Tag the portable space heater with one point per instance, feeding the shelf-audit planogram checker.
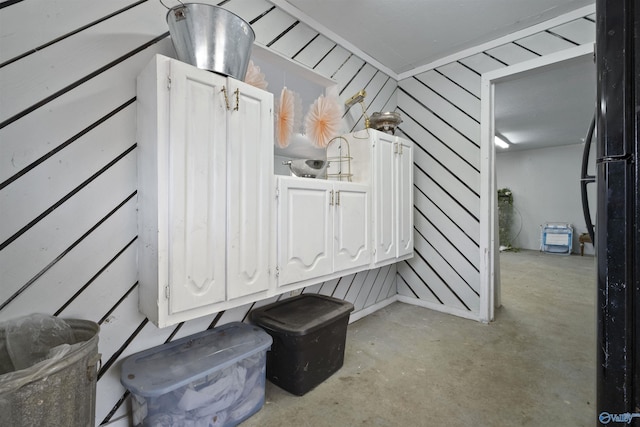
(557, 238)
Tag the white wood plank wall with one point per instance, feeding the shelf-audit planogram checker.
(68, 164)
(441, 112)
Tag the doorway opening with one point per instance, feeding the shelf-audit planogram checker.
(493, 84)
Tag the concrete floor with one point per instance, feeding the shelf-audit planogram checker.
(409, 366)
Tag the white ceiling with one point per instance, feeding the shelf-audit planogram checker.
(548, 106)
(404, 35)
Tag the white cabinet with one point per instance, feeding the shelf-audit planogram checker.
(205, 193)
(323, 228)
(387, 162)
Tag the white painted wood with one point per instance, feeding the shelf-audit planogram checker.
(386, 162)
(448, 181)
(46, 240)
(74, 270)
(453, 93)
(343, 286)
(488, 206)
(545, 43)
(351, 227)
(444, 110)
(389, 288)
(347, 71)
(149, 336)
(374, 292)
(447, 237)
(441, 130)
(24, 200)
(465, 53)
(25, 26)
(439, 307)
(315, 51)
(247, 9)
(363, 293)
(443, 267)
(332, 61)
(294, 11)
(33, 136)
(404, 198)
(64, 63)
(481, 63)
(356, 286)
(360, 81)
(305, 229)
(205, 191)
(294, 40)
(429, 146)
(448, 205)
(463, 76)
(250, 199)
(384, 189)
(371, 309)
(196, 183)
(511, 53)
(271, 25)
(580, 31)
(408, 275)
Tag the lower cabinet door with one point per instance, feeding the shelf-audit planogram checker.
(305, 248)
(351, 226)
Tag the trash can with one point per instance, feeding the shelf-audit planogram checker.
(48, 371)
(309, 334)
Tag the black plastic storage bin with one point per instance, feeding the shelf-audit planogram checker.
(309, 333)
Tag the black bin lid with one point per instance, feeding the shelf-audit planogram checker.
(300, 315)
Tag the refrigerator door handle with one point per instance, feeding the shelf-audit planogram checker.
(610, 159)
(587, 179)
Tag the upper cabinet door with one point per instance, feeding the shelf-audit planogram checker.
(195, 181)
(404, 193)
(251, 192)
(384, 211)
(305, 229)
(352, 247)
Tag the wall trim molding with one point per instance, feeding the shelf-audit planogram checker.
(441, 308)
(553, 22)
(306, 19)
(489, 269)
(372, 308)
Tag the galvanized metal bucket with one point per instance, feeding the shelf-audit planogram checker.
(61, 394)
(211, 38)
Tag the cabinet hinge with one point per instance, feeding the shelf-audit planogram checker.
(168, 82)
(277, 191)
(277, 271)
(167, 292)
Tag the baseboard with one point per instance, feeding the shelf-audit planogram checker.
(441, 308)
(372, 309)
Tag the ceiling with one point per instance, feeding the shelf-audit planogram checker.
(547, 106)
(404, 35)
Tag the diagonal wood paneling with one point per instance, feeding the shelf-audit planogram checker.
(68, 165)
(441, 109)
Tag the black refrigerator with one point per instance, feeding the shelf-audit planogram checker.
(617, 230)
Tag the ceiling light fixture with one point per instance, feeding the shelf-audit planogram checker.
(500, 142)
